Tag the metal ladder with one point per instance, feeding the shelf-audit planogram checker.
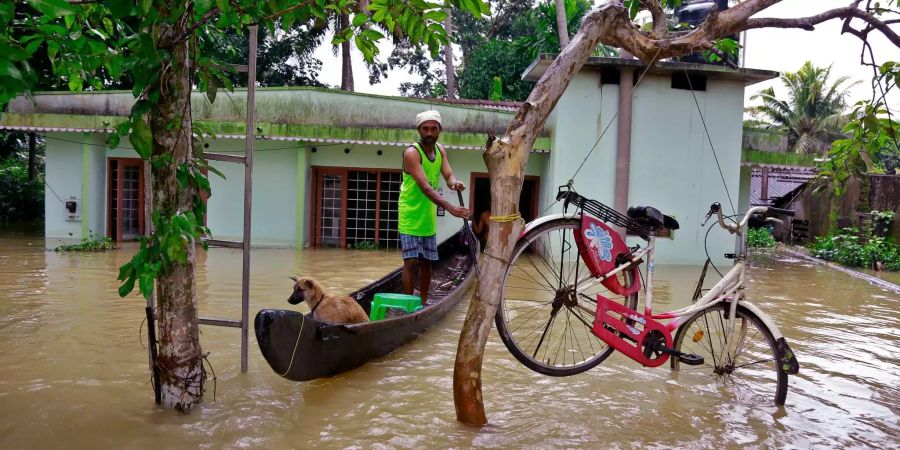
(244, 244)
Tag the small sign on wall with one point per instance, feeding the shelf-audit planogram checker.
(72, 210)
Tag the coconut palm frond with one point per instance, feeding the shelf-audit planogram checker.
(812, 112)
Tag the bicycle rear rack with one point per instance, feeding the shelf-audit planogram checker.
(604, 213)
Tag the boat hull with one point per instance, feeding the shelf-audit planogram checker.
(299, 348)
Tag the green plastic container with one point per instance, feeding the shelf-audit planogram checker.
(385, 300)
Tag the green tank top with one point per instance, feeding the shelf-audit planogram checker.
(417, 214)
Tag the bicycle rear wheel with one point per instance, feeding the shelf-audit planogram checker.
(545, 317)
(744, 361)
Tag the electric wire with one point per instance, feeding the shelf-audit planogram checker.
(709, 138)
(606, 128)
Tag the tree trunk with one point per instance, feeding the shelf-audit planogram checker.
(180, 359)
(562, 25)
(346, 60)
(32, 158)
(449, 66)
(506, 159)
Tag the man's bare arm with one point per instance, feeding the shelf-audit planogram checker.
(447, 172)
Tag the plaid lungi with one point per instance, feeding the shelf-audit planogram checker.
(414, 246)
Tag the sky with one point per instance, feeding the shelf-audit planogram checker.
(770, 49)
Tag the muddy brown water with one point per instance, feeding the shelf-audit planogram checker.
(73, 372)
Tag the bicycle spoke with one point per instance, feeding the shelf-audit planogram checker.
(547, 274)
(743, 360)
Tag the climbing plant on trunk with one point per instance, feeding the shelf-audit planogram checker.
(156, 43)
(610, 24)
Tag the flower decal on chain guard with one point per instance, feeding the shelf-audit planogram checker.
(600, 241)
(600, 246)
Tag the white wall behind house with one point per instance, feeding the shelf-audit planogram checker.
(274, 209)
(672, 166)
(63, 176)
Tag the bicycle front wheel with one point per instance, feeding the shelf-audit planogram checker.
(548, 301)
(744, 360)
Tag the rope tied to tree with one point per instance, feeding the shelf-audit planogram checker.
(504, 261)
(506, 218)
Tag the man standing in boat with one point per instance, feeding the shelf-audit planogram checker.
(423, 163)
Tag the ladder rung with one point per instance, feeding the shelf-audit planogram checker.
(220, 322)
(221, 243)
(241, 67)
(225, 157)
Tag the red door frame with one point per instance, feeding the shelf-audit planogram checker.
(122, 162)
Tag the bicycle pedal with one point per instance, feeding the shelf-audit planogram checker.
(689, 359)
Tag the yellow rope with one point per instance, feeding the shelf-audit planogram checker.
(296, 344)
(323, 383)
(507, 218)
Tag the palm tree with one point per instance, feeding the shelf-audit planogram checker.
(814, 112)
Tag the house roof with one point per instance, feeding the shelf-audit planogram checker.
(296, 114)
(782, 180)
(747, 76)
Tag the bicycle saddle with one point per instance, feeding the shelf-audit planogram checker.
(652, 218)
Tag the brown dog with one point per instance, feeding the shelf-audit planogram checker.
(326, 307)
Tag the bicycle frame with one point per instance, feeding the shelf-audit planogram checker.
(730, 287)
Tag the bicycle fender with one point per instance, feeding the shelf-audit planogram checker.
(776, 333)
(786, 358)
(544, 219)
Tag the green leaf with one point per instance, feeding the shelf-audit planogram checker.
(120, 8)
(75, 82)
(52, 8)
(125, 271)
(211, 89)
(113, 140)
(146, 284)
(140, 138)
(215, 171)
(126, 287)
(7, 11)
(359, 19)
(372, 35)
(437, 16)
(9, 69)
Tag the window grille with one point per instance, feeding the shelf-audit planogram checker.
(388, 236)
(361, 206)
(330, 228)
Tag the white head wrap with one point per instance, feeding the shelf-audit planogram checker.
(428, 115)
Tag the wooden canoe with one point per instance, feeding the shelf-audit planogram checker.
(299, 348)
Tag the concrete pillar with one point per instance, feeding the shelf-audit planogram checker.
(301, 196)
(623, 143)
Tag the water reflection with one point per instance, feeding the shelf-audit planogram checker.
(73, 371)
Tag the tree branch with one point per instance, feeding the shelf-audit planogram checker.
(284, 11)
(719, 24)
(659, 18)
(808, 23)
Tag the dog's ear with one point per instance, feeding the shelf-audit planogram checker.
(293, 278)
(308, 284)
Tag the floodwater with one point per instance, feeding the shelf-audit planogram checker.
(73, 370)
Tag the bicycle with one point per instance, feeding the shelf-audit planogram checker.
(569, 299)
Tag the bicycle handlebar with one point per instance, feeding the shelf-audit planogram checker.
(715, 208)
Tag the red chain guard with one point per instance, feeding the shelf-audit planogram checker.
(612, 314)
(600, 246)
